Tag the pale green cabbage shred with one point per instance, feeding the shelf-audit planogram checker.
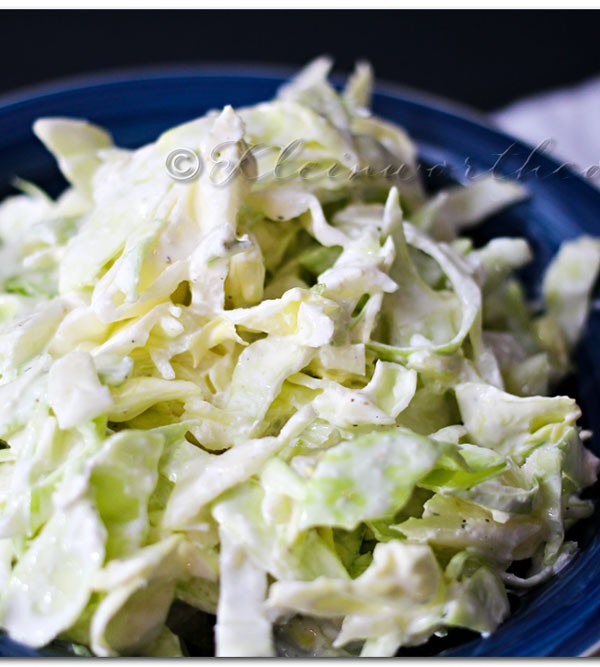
(300, 399)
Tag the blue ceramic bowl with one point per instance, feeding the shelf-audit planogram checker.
(561, 618)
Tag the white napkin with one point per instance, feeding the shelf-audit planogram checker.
(569, 118)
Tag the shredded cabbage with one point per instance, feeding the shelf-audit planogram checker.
(289, 392)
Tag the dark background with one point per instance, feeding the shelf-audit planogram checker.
(481, 58)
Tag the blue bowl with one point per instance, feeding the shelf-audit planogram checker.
(561, 618)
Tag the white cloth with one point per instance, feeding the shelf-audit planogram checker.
(569, 118)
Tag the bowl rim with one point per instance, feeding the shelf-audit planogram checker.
(107, 76)
(81, 82)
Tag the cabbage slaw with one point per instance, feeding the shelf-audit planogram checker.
(306, 404)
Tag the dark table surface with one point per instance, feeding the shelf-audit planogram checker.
(484, 59)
